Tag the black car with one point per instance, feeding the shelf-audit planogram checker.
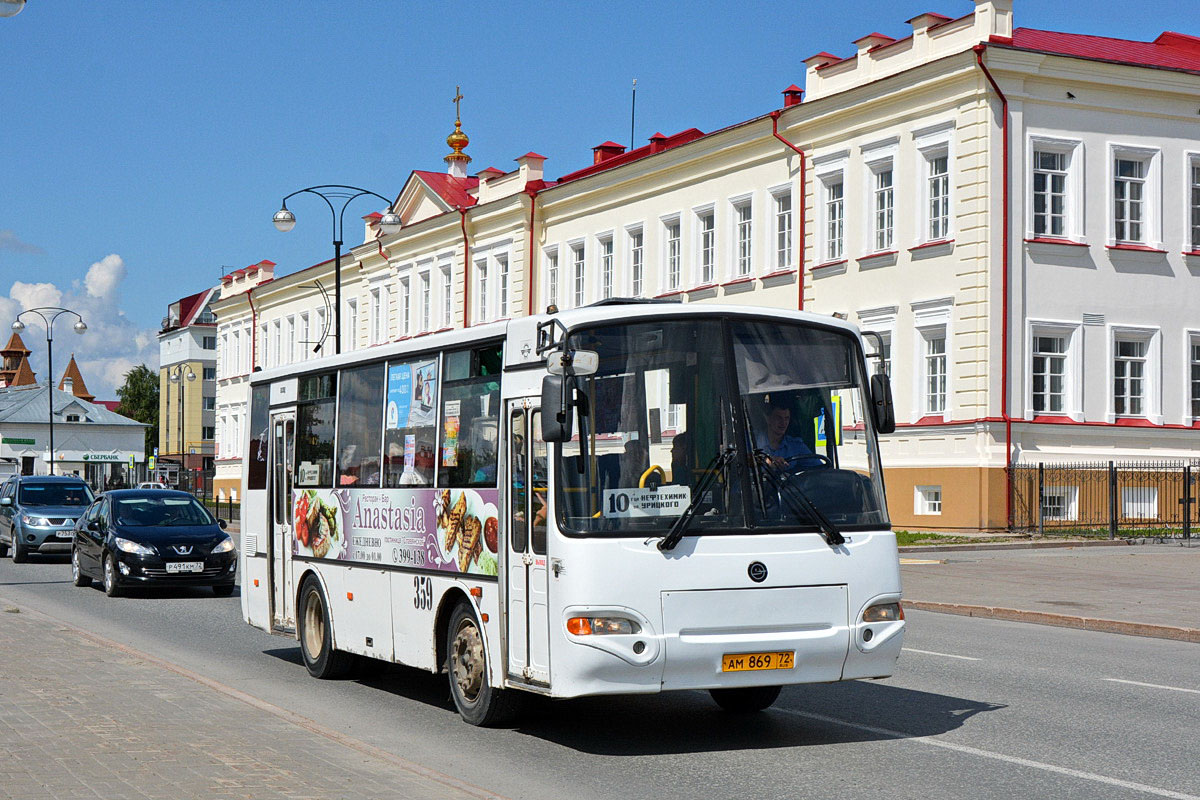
(152, 537)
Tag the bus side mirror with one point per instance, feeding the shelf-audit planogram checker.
(881, 404)
(556, 409)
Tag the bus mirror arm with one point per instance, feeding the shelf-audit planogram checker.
(556, 409)
(881, 403)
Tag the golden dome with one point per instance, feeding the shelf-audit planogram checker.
(458, 142)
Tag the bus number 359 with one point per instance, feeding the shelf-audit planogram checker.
(423, 592)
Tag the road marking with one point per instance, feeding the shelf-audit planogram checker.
(975, 751)
(1153, 685)
(943, 655)
(921, 561)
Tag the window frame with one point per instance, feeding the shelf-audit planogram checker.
(1151, 376)
(1073, 387)
(1191, 376)
(1151, 221)
(704, 246)
(881, 237)
(783, 242)
(923, 505)
(741, 239)
(1074, 201)
(635, 236)
(830, 171)
(606, 256)
(551, 264)
(578, 251)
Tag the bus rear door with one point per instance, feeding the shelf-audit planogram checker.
(283, 442)
(526, 572)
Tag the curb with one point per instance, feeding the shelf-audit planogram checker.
(932, 548)
(1060, 620)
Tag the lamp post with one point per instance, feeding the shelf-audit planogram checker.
(10, 8)
(285, 220)
(177, 375)
(49, 314)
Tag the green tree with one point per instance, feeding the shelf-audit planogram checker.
(139, 400)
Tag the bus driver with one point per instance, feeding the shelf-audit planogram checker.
(781, 448)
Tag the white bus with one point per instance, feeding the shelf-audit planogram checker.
(625, 498)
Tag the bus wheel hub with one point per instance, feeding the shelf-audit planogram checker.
(468, 661)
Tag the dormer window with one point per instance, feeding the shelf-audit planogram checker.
(74, 418)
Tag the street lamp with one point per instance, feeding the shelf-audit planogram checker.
(49, 314)
(177, 375)
(285, 220)
(10, 8)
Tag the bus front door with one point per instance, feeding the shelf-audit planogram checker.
(527, 574)
(283, 442)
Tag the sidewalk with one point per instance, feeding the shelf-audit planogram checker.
(1137, 589)
(83, 717)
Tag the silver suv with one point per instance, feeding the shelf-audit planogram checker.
(38, 514)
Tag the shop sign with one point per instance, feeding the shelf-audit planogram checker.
(110, 457)
(16, 440)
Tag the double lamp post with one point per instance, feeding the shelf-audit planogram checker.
(49, 314)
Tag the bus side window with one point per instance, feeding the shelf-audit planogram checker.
(538, 484)
(519, 476)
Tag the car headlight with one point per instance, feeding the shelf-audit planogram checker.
(886, 612)
(35, 522)
(602, 626)
(225, 546)
(127, 546)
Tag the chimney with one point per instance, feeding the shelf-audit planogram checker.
(68, 385)
(531, 167)
(792, 96)
(603, 152)
(993, 18)
(489, 173)
(658, 143)
(871, 41)
(820, 60)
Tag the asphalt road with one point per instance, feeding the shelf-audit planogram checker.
(978, 708)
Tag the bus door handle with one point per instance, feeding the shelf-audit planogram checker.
(527, 559)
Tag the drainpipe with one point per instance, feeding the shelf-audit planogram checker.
(803, 193)
(466, 268)
(1004, 270)
(529, 253)
(253, 330)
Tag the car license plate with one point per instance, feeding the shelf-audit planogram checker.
(64, 534)
(185, 566)
(746, 662)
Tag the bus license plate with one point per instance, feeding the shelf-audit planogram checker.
(746, 662)
(185, 566)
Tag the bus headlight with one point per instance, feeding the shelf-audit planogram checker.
(885, 612)
(602, 626)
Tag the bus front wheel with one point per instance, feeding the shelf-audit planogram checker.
(746, 699)
(316, 634)
(477, 701)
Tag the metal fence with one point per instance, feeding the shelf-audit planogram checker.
(1112, 499)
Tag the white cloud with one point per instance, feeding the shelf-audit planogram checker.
(112, 345)
(104, 276)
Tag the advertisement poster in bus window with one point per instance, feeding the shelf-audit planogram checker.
(411, 395)
(450, 425)
(450, 530)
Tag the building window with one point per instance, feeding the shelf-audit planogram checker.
(351, 333)
(935, 372)
(208, 432)
(1129, 193)
(1139, 502)
(447, 297)
(938, 186)
(322, 331)
(783, 230)
(277, 342)
(305, 337)
(744, 222)
(481, 304)
(552, 278)
(1129, 376)
(1049, 374)
(883, 364)
(1195, 369)
(209, 343)
(209, 403)
(671, 256)
(1049, 193)
(210, 373)
(577, 266)
(606, 267)
(289, 338)
(1195, 206)
(835, 219)
(377, 311)
(927, 500)
(636, 262)
(706, 251)
(1060, 503)
(502, 274)
(883, 216)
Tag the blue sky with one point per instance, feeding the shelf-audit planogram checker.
(147, 143)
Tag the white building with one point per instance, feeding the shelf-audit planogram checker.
(988, 198)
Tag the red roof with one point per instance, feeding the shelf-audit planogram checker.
(374, 215)
(530, 154)
(1169, 51)
(111, 405)
(455, 191)
(664, 143)
(191, 306)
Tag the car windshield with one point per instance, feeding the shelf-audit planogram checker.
(168, 512)
(778, 411)
(55, 494)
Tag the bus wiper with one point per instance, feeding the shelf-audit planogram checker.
(782, 485)
(715, 467)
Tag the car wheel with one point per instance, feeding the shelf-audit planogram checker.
(746, 699)
(111, 587)
(17, 550)
(316, 634)
(477, 701)
(223, 590)
(77, 576)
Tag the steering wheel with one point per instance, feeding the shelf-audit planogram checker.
(794, 462)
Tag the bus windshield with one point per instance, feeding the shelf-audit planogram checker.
(778, 412)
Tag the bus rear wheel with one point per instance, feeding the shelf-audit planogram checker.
(477, 701)
(745, 699)
(316, 634)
